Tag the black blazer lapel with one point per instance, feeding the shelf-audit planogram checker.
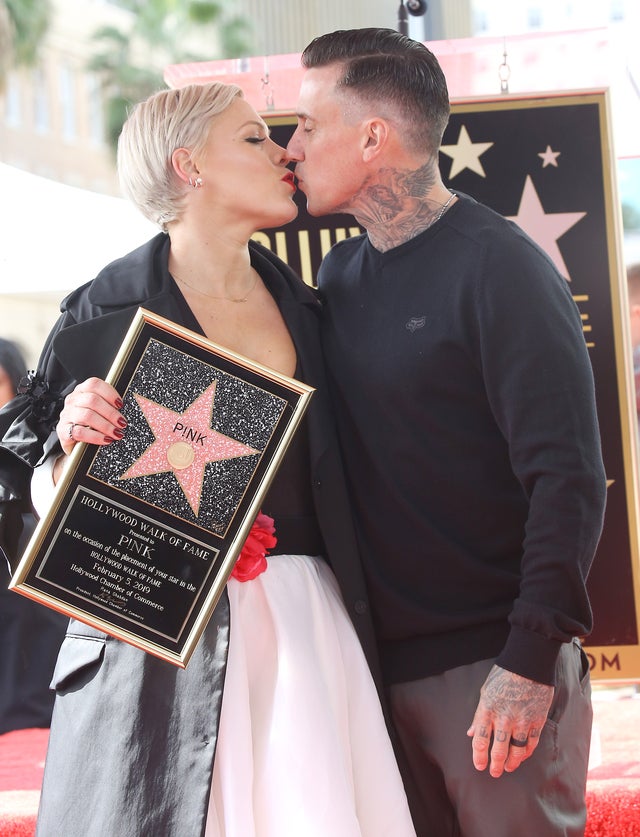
(300, 310)
(89, 348)
(303, 325)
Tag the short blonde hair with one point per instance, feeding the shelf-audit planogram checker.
(155, 128)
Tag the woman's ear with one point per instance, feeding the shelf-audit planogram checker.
(183, 165)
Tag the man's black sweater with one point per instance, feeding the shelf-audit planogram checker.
(465, 403)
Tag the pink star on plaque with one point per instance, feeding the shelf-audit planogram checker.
(184, 444)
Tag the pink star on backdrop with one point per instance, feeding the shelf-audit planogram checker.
(549, 157)
(544, 228)
(192, 428)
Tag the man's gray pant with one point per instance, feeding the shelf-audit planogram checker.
(544, 797)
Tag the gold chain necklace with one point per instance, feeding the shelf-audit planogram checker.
(225, 298)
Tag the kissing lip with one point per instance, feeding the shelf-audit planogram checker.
(290, 179)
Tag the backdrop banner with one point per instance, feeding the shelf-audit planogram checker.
(546, 163)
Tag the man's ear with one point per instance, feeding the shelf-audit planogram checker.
(375, 138)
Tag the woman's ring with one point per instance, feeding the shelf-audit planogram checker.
(71, 426)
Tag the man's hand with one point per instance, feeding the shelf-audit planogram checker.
(512, 709)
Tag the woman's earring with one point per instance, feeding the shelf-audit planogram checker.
(197, 183)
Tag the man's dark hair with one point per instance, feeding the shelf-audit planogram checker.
(381, 65)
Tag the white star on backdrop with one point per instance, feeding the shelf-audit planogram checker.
(465, 154)
(544, 228)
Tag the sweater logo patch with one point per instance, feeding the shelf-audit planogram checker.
(415, 323)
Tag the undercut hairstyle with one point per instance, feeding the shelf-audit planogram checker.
(382, 66)
(155, 128)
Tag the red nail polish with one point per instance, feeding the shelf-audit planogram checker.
(108, 440)
(118, 433)
(119, 403)
(122, 421)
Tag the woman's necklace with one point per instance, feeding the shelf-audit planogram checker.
(225, 298)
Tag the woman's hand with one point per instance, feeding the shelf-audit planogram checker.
(91, 413)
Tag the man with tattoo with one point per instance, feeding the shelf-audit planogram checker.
(465, 402)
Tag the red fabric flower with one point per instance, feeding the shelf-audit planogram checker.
(252, 560)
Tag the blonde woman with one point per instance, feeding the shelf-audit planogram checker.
(274, 728)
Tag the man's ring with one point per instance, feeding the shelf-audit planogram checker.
(515, 742)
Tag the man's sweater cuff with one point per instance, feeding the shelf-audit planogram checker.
(530, 655)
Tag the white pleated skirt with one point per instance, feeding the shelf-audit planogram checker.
(303, 750)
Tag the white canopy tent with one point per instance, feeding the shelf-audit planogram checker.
(54, 238)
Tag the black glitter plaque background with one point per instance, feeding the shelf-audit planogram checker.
(241, 411)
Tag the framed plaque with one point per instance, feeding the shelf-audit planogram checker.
(143, 533)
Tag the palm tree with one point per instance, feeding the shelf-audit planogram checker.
(23, 24)
(161, 32)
